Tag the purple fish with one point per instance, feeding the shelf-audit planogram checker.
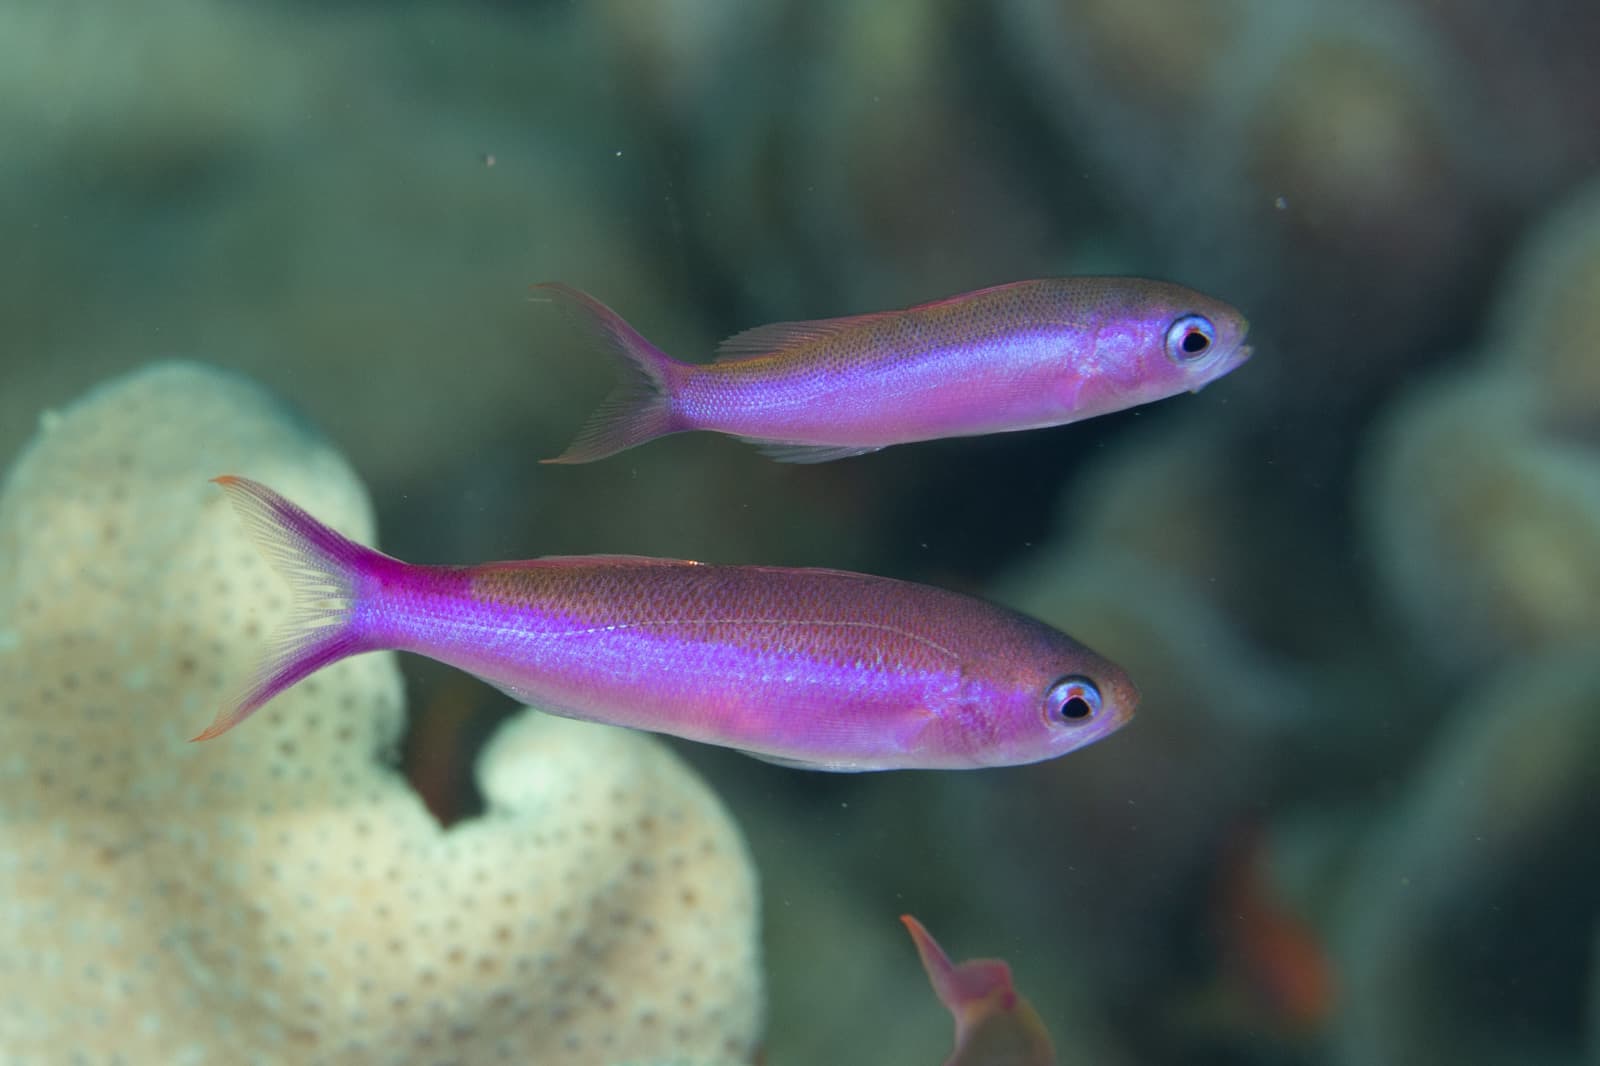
(1019, 356)
(821, 669)
(995, 1026)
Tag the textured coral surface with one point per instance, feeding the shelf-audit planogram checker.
(281, 894)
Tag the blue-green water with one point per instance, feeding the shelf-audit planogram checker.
(1357, 581)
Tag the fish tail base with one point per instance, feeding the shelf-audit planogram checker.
(326, 573)
(643, 405)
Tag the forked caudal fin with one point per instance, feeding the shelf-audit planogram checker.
(641, 407)
(325, 572)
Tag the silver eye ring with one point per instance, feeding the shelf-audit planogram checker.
(1189, 338)
(1073, 700)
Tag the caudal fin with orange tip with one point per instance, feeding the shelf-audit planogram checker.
(325, 572)
(994, 1024)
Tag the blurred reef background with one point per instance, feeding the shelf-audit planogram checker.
(1358, 581)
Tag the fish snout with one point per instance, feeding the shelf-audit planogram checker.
(1122, 702)
(1223, 366)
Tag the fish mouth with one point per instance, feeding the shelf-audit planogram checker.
(1127, 703)
(1224, 367)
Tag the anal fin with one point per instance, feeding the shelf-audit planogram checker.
(788, 452)
(802, 764)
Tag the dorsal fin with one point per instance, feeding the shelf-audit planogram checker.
(964, 297)
(597, 558)
(775, 336)
(626, 560)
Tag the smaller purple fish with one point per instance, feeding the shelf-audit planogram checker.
(1020, 356)
(995, 1026)
(822, 669)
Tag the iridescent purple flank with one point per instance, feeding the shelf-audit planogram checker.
(819, 668)
(1018, 356)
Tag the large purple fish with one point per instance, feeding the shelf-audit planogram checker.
(816, 668)
(1018, 356)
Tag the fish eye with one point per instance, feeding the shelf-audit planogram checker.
(1072, 700)
(1189, 338)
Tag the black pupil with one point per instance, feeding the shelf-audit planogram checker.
(1194, 342)
(1075, 708)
